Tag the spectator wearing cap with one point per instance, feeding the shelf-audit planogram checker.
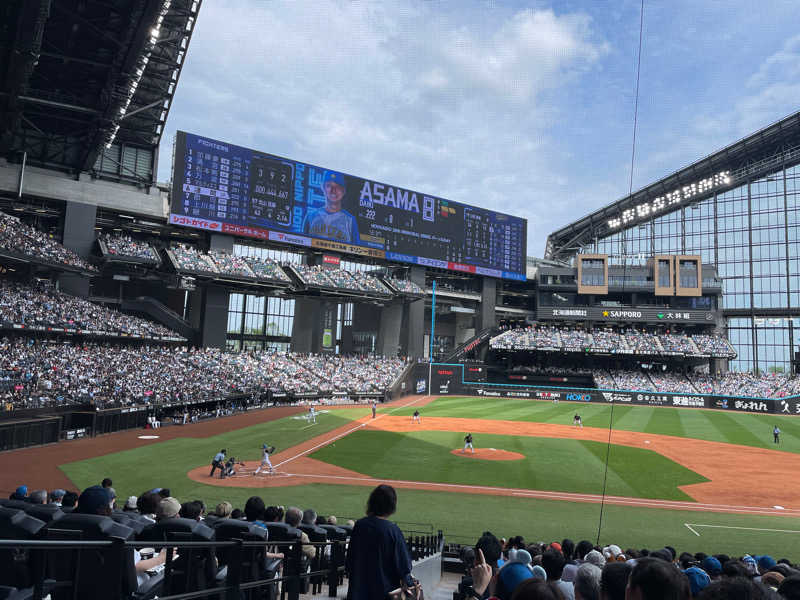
(131, 504)
(94, 500)
(509, 577)
(38, 497)
(553, 563)
(21, 493)
(698, 580)
(712, 566)
(613, 553)
(57, 496)
(654, 579)
(596, 558)
(765, 563)
(168, 508)
(587, 582)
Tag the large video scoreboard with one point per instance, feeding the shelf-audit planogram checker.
(234, 190)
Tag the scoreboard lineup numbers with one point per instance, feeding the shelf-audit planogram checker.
(242, 190)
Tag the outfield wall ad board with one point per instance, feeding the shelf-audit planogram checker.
(624, 315)
(233, 190)
(449, 379)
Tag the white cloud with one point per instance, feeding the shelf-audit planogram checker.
(411, 94)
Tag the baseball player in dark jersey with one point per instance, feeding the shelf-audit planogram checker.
(468, 443)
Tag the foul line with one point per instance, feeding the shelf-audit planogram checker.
(341, 435)
(691, 525)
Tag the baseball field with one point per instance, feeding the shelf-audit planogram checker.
(699, 480)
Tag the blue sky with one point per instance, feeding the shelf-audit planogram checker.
(526, 108)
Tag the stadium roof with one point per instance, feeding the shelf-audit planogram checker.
(78, 76)
(756, 155)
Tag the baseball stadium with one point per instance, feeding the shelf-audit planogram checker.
(267, 378)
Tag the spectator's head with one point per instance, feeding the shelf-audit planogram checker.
(712, 566)
(332, 520)
(148, 503)
(273, 514)
(772, 579)
(765, 563)
(309, 516)
(254, 509)
(553, 563)
(738, 588)
(789, 588)
(350, 523)
(223, 510)
(587, 582)
(614, 580)
(583, 548)
(131, 504)
(21, 493)
(293, 516)
(106, 483)
(491, 548)
(382, 501)
(654, 579)
(94, 500)
(509, 577)
(70, 500)
(168, 508)
(596, 558)
(236, 513)
(612, 553)
(698, 580)
(536, 589)
(56, 496)
(164, 493)
(734, 568)
(568, 548)
(686, 560)
(38, 497)
(191, 510)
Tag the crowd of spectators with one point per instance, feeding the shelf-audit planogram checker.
(341, 279)
(406, 286)
(369, 283)
(623, 379)
(493, 569)
(766, 385)
(17, 237)
(667, 381)
(266, 268)
(516, 570)
(36, 374)
(314, 276)
(127, 247)
(607, 341)
(189, 258)
(230, 264)
(39, 304)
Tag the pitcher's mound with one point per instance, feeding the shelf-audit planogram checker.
(488, 454)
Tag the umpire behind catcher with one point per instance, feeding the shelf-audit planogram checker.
(218, 462)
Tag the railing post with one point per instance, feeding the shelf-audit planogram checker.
(234, 577)
(333, 571)
(293, 582)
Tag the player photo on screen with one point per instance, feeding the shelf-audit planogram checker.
(332, 221)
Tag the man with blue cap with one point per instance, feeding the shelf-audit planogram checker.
(332, 221)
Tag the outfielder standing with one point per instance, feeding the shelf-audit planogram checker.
(312, 414)
(265, 461)
(468, 443)
(415, 418)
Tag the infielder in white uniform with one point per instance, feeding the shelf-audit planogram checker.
(265, 461)
(312, 414)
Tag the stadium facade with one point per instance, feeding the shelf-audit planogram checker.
(739, 209)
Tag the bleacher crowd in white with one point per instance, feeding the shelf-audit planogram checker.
(606, 341)
(124, 246)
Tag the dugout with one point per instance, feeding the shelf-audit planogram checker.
(22, 433)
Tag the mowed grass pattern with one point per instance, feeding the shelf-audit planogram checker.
(550, 464)
(714, 425)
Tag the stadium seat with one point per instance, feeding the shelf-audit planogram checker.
(45, 512)
(130, 519)
(281, 532)
(18, 565)
(254, 564)
(195, 568)
(338, 551)
(320, 562)
(91, 573)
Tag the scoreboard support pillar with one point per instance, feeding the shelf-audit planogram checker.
(487, 316)
(391, 321)
(79, 220)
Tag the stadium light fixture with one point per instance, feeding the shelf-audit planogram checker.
(647, 210)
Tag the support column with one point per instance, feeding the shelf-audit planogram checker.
(303, 326)
(391, 320)
(486, 310)
(79, 237)
(215, 317)
(414, 325)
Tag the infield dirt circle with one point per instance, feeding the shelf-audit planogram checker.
(488, 454)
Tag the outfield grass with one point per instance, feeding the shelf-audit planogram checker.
(714, 425)
(464, 516)
(549, 464)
